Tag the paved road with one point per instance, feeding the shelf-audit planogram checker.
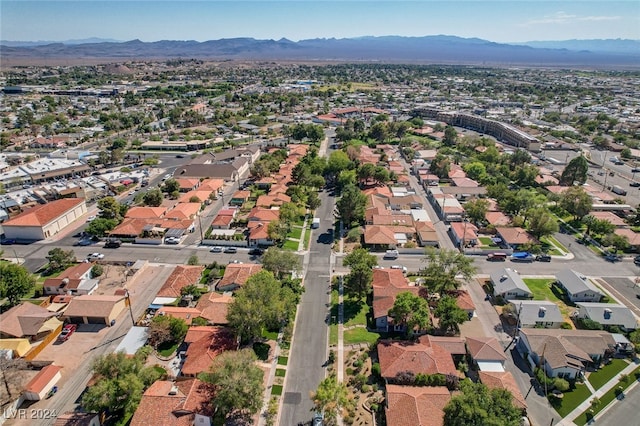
(624, 412)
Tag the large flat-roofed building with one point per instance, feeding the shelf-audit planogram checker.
(45, 220)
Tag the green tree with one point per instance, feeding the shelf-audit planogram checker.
(193, 260)
(450, 136)
(281, 262)
(477, 209)
(443, 267)
(576, 201)
(261, 303)
(411, 311)
(357, 283)
(238, 384)
(110, 208)
(153, 197)
(97, 270)
(351, 205)
(360, 256)
(379, 131)
(60, 259)
(475, 170)
(542, 222)
(166, 329)
(277, 230)
(331, 398)
(101, 227)
(171, 185)
(618, 242)
(597, 226)
(15, 282)
(313, 201)
(479, 406)
(338, 161)
(575, 173)
(440, 166)
(450, 315)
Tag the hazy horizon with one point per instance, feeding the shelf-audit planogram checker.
(515, 21)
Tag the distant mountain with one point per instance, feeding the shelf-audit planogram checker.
(596, 45)
(439, 49)
(69, 42)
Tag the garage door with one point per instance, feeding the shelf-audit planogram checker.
(76, 320)
(96, 320)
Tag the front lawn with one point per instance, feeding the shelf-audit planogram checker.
(333, 334)
(606, 373)
(280, 372)
(283, 360)
(487, 241)
(307, 237)
(570, 400)
(295, 233)
(359, 335)
(168, 348)
(291, 245)
(541, 289)
(269, 335)
(554, 247)
(276, 390)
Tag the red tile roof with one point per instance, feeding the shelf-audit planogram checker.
(237, 274)
(503, 380)
(202, 195)
(182, 276)
(71, 274)
(485, 349)
(43, 214)
(184, 211)
(145, 212)
(379, 234)
(214, 307)
(515, 235)
(211, 184)
(399, 356)
(185, 313)
(168, 403)
(42, 379)
(416, 406)
(263, 215)
(206, 343)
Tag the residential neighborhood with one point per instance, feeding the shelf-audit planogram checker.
(223, 247)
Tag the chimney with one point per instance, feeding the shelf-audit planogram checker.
(173, 390)
(542, 311)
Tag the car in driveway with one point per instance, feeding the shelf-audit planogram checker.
(95, 256)
(217, 249)
(67, 331)
(230, 250)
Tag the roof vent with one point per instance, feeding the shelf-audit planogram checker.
(173, 390)
(542, 311)
(65, 282)
(607, 313)
(502, 278)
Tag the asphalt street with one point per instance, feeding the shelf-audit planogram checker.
(308, 356)
(622, 412)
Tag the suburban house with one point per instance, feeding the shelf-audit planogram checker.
(387, 284)
(30, 321)
(503, 380)
(183, 211)
(416, 405)
(259, 234)
(95, 309)
(463, 234)
(608, 314)
(380, 237)
(182, 276)
(426, 234)
(45, 220)
(515, 236)
(487, 353)
(538, 313)
(399, 356)
(183, 312)
(236, 275)
(508, 284)
(186, 185)
(202, 196)
(75, 280)
(269, 201)
(145, 212)
(205, 343)
(214, 307)
(224, 219)
(578, 287)
(183, 402)
(565, 353)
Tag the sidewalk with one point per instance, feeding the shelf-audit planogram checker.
(568, 419)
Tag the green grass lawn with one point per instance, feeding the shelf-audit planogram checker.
(307, 236)
(486, 241)
(570, 400)
(355, 312)
(359, 335)
(269, 335)
(333, 334)
(167, 349)
(295, 233)
(555, 248)
(291, 245)
(276, 390)
(280, 372)
(606, 373)
(542, 291)
(283, 360)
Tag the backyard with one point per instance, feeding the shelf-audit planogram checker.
(542, 290)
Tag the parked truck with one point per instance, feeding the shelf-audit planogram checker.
(616, 189)
(316, 223)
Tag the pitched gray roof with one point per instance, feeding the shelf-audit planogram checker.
(574, 282)
(532, 311)
(506, 280)
(609, 314)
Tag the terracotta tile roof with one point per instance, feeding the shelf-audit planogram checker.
(385, 297)
(610, 217)
(259, 232)
(168, 403)
(497, 218)
(43, 214)
(214, 307)
(237, 274)
(515, 235)
(416, 406)
(222, 221)
(379, 234)
(392, 219)
(25, 319)
(183, 211)
(398, 356)
(278, 189)
(71, 274)
(145, 212)
(381, 191)
(92, 306)
(466, 231)
(42, 379)
(503, 380)
(485, 349)
(634, 237)
(453, 345)
(185, 313)
(202, 195)
(131, 227)
(182, 276)
(464, 300)
(243, 195)
(465, 182)
(211, 184)
(228, 212)
(389, 278)
(75, 419)
(263, 215)
(205, 344)
(188, 183)
(272, 200)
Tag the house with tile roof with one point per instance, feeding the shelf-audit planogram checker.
(28, 321)
(515, 236)
(74, 280)
(416, 405)
(182, 276)
(274, 200)
(504, 380)
(508, 284)
(239, 198)
(259, 234)
(213, 185)
(184, 211)
(236, 275)
(183, 312)
(387, 284)
(486, 352)
(398, 356)
(565, 353)
(42, 383)
(205, 343)
(186, 185)
(214, 307)
(179, 403)
(94, 309)
(45, 220)
(200, 194)
(379, 237)
(578, 287)
(608, 314)
(259, 214)
(426, 234)
(145, 212)
(463, 234)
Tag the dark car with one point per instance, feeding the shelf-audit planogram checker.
(634, 184)
(112, 244)
(636, 260)
(612, 257)
(256, 252)
(230, 250)
(179, 156)
(8, 241)
(543, 258)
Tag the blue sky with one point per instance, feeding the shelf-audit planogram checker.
(500, 21)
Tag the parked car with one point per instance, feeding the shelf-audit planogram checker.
(67, 331)
(84, 242)
(636, 260)
(230, 250)
(403, 268)
(113, 244)
(391, 254)
(91, 218)
(256, 252)
(216, 249)
(8, 241)
(234, 261)
(543, 258)
(179, 156)
(172, 240)
(522, 256)
(634, 184)
(612, 257)
(497, 257)
(95, 256)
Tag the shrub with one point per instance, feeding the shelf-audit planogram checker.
(366, 388)
(589, 324)
(375, 369)
(97, 270)
(375, 408)
(353, 235)
(358, 381)
(332, 357)
(566, 326)
(561, 384)
(357, 364)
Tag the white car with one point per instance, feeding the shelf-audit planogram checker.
(172, 240)
(91, 218)
(403, 268)
(95, 256)
(216, 249)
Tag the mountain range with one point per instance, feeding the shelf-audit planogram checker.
(439, 49)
